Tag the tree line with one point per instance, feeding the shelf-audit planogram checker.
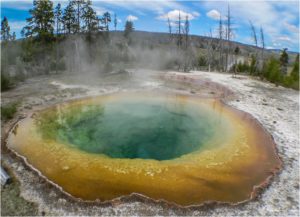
(49, 25)
(77, 17)
(50, 32)
(219, 52)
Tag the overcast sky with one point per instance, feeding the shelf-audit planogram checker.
(279, 19)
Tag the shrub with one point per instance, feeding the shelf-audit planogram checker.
(20, 76)
(241, 67)
(295, 71)
(108, 67)
(202, 61)
(292, 80)
(8, 111)
(252, 67)
(272, 71)
(5, 83)
(60, 65)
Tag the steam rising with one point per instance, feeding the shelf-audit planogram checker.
(96, 54)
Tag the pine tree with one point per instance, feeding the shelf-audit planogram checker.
(296, 67)
(236, 53)
(90, 18)
(69, 19)
(41, 22)
(237, 50)
(295, 71)
(284, 59)
(106, 19)
(5, 30)
(58, 18)
(5, 37)
(128, 28)
(78, 6)
(272, 71)
(293, 79)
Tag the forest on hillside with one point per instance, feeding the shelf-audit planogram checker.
(77, 41)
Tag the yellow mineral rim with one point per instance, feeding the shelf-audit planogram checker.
(238, 158)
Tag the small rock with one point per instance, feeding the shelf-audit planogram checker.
(35, 103)
(280, 109)
(28, 106)
(20, 168)
(22, 116)
(237, 100)
(62, 201)
(52, 194)
(193, 92)
(274, 122)
(49, 98)
(265, 104)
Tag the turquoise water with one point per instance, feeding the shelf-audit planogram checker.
(134, 129)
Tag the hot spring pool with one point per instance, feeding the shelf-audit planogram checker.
(178, 148)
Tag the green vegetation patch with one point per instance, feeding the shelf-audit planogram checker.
(8, 111)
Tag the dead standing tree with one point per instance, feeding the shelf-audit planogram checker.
(210, 50)
(254, 59)
(228, 38)
(179, 40)
(58, 20)
(115, 21)
(262, 41)
(186, 31)
(170, 30)
(179, 31)
(187, 58)
(221, 44)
